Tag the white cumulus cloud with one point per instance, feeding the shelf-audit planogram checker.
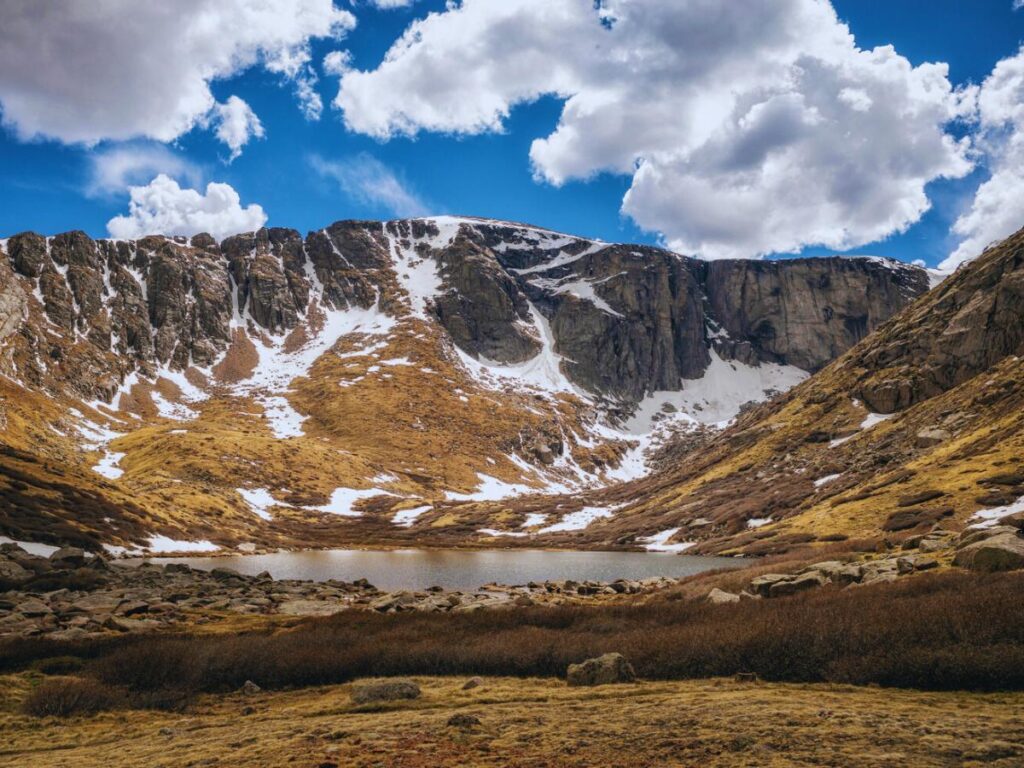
(114, 169)
(162, 207)
(236, 124)
(997, 209)
(84, 72)
(747, 127)
(367, 180)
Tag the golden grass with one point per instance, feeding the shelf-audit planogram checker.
(538, 722)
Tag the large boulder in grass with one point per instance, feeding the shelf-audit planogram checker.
(384, 690)
(610, 668)
(1004, 552)
(721, 597)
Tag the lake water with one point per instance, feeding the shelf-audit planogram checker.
(459, 569)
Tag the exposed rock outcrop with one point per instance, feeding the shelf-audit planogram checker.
(626, 320)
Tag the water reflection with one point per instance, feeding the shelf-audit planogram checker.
(458, 569)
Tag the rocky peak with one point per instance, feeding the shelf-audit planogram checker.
(625, 320)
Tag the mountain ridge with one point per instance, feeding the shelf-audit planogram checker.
(428, 362)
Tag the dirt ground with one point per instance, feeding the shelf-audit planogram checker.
(537, 722)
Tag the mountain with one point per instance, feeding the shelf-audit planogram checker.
(416, 380)
(912, 435)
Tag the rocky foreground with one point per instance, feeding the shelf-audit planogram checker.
(74, 595)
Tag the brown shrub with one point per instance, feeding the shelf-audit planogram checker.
(68, 696)
(937, 631)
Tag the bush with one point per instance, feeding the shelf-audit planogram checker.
(70, 696)
(58, 665)
(937, 631)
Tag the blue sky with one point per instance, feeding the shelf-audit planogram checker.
(48, 185)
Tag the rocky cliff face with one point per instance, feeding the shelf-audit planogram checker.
(969, 324)
(628, 320)
(363, 383)
(913, 435)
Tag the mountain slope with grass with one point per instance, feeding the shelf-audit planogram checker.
(375, 383)
(918, 429)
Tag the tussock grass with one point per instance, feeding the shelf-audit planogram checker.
(945, 631)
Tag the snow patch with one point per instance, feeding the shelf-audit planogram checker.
(824, 480)
(107, 466)
(757, 522)
(277, 368)
(990, 517)
(161, 543)
(490, 489)
(283, 420)
(534, 519)
(496, 532)
(875, 418)
(342, 500)
(33, 548)
(658, 542)
(577, 521)
(260, 501)
(716, 397)
(407, 517)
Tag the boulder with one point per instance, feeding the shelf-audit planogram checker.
(68, 557)
(132, 607)
(928, 438)
(837, 571)
(34, 607)
(971, 535)
(12, 573)
(721, 597)
(473, 682)
(393, 602)
(225, 574)
(935, 541)
(1004, 552)
(1016, 520)
(801, 583)
(301, 607)
(763, 584)
(609, 668)
(119, 624)
(384, 690)
(249, 688)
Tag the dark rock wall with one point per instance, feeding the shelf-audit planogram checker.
(626, 319)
